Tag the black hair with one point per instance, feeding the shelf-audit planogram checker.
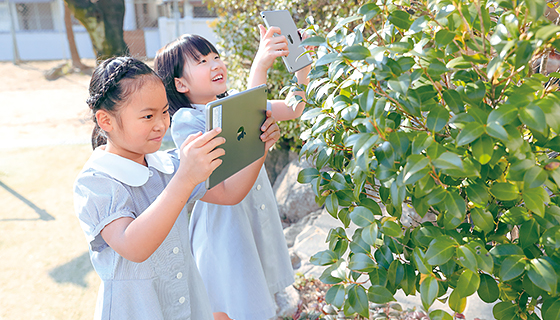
(108, 91)
(170, 61)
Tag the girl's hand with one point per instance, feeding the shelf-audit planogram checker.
(271, 132)
(199, 156)
(270, 47)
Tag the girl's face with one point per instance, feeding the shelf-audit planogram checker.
(140, 124)
(203, 80)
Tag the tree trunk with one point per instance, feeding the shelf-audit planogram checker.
(76, 62)
(103, 20)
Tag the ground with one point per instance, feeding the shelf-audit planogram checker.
(45, 127)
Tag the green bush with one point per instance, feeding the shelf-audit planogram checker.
(237, 30)
(433, 105)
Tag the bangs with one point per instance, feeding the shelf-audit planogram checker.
(194, 47)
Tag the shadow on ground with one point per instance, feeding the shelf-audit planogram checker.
(74, 271)
(43, 214)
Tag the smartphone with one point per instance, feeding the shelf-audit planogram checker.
(283, 19)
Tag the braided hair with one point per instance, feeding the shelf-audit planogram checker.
(108, 91)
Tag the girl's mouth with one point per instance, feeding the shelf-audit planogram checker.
(217, 78)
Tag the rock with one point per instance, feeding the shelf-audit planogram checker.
(291, 232)
(296, 260)
(276, 161)
(286, 302)
(295, 200)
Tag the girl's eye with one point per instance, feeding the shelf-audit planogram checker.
(202, 61)
(148, 116)
(166, 111)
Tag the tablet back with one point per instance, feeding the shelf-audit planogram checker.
(240, 116)
(283, 19)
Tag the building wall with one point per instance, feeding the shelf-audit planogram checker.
(53, 44)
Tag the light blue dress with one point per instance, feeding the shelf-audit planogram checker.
(165, 286)
(240, 250)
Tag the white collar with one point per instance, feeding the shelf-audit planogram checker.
(199, 107)
(128, 171)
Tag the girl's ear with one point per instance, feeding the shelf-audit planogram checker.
(181, 85)
(104, 120)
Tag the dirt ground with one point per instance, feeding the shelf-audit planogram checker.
(45, 127)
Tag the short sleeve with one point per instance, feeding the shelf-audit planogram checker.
(268, 105)
(186, 121)
(98, 201)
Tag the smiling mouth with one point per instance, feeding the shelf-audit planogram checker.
(218, 78)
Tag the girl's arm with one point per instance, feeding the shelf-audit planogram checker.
(137, 239)
(235, 188)
(270, 48)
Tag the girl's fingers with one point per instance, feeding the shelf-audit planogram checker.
(262, 31)
(190, 138)
(271, 31)
(206, 137)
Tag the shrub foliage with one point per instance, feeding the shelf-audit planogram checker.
(433, 107)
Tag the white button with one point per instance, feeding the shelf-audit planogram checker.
(263, 206)
(179, 275)
(258, 187)
(182, 300)
(176, 250)
(151, 173)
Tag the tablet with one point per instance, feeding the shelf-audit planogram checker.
(240, 116)
(283, 19)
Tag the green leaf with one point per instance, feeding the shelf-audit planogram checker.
(505, 310)
(468, 283)
(444, 37)
(307, 175)
(535, 200)
(495, 130)
(542, 274)
(533, 117)
(504, 191)
(391, 229)
(361, 262)
(441, 249)
(356, 52)
(478, 193)
(475, 92)
(536, 8)
(482, 219)
(523, 53)
(401, 19)
(362, 216)
(436, 68)
(440, 315)
(488, 290)
(448, 161)
(455, 210)
(504, 115)
(328, 58)
(335, 295)
(483, 149)
(331, 204)
(484, 259)
(379, 294)
(470, 133)
(456, 302)
(429, 289)
(467, 258)
(458, 63)
(416, 168)
(420, 261)
(534, 177)
(421, 142)
(437, 119)
(454, 101)
(512, 267)
(369, 234)
(551, 309)
(324, 258)
(314, 41)
(358, 299)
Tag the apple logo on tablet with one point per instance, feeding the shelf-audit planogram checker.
(241, 133)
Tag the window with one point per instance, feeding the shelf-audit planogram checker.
(202, 11)
(34, 16)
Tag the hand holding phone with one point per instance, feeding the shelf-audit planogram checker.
(282, 19)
